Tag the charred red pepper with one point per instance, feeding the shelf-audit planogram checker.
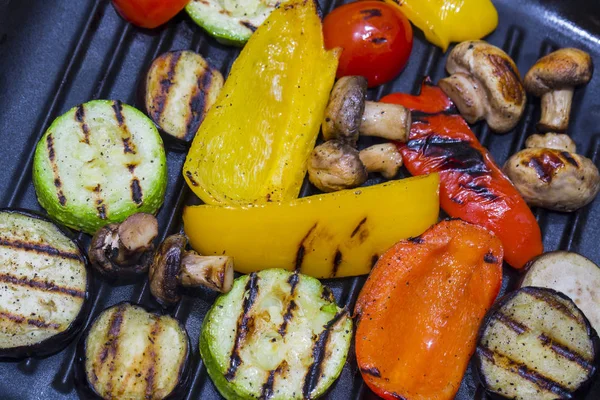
(472, 186)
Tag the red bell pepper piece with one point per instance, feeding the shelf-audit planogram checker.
(472, 186)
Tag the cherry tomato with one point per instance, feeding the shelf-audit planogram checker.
(149, 13)
(376, 39)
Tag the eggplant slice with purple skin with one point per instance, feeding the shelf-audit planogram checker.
(179, 89)
(536, 344)
(129, 352)
(44, 286)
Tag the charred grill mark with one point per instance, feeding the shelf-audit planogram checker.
(490, 258)
(242, 326)
(249, 25)
(39, 248)
(151, 351)
(552, 303)
(337, 260)
(302, 250)
(62, 200)
(127, 146)
(457, 200)
(101, 211)
(421, 116)
(479, 190)
(567, 156)
(378, 40)
(374, 260)
(313, 375)
(360, 224)
(371, 371)
(160, 100)
(510, 85)
(80, 117)
(51, 156)
(326, 294)
(370, 13)
(131, 167)
(112, 343)
(191, 178)
(267, 388)
(50, 147)
(545, 163)
(565, 352)
(289, 313)
(510, 323)
(42, 285)
(118, 109)
(416, 240)
(19, 319)
(136, 192)
(198, 103)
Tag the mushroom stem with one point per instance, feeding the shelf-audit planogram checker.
(556, 107)
(135, 236)
(388, 121)
(383, 158)
(213, 272)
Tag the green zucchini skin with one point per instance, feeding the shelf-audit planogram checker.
(86, 389)
(528, 366)
(99, 163)
(59, 341)
(230, 27)
(275, 335)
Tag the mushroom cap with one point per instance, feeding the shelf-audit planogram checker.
(561, 69)
(335, 165)
(165, 269)
(498, 76)
(345, 109)
(551, 140)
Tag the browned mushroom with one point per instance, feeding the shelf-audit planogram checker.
(348, 114)
(383, 158)
(485, 84)
(174, 267)
(553, 78)
(124, 250)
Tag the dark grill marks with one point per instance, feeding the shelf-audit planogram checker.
(57, 183)
(370, 13)
(337, 260)
(191, 178)
(112, 343)
(565, 352)
(118, 108)
(242, 326)
(289, 313)
(421, 116)
(311, 380)
(267, 387)
(160, 99)
(302, 249)
(50, 147)
(490, 258)
(371, 371)
(567, 156)
(39, 248)
(100, 206)
(360, 224)
(80, 117)
(511, 323)
(41, 285)
(19, 319)
(249, 25)
(545, 163)
(151, 352)
(198, 103)
(136, 192)
(128, 146)
(553, 303)
(416, 240)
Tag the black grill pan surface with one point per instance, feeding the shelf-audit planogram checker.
(60, 53)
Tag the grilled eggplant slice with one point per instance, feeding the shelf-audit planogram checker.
(43, 286)
(99, 163)
(275, 335)
(536, 344)
(180, 87)
(131, 353)
(571, 274)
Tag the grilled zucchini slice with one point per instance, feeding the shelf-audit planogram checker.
(131, 353)
(98, 163)
(231, 21)
(43, 286)
(275, 335)
(536, 344)
(180, 87)
(571, 274)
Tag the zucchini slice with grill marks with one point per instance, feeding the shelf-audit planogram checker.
(43, 286)
(536, 344)
(131, 353)
(231, 21)
(275, 335)
(98, 163)
(180, 87)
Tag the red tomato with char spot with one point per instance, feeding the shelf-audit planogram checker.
(376, 39)
(149, 13)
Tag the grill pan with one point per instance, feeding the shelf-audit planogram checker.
(56, 54)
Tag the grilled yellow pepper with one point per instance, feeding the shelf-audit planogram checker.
(254, 142)
(325, 236)
(447, 21)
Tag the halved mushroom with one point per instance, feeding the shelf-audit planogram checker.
(124, 250)
(348, 114)
(558, 141)
(553, 78)
(383, 158)
(174, 267)
(484, 83)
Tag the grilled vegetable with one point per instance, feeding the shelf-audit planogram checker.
(419, 312)
(571, 274)
(275, 335)
(324, 236)
(254, 142)
(98, 163)
(536, 344)
(230, 21)
(43, 286)
(472, 187)
(180, 88)
(130, 353)
(148, 13)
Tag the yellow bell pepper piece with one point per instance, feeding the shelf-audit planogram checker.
(256, 139)
(325, 236)
(447, 21)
